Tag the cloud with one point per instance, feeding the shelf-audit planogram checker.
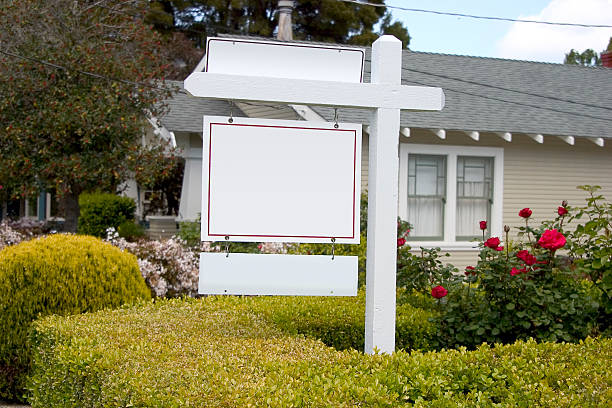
(540, 42)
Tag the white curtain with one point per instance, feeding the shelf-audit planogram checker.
(469, 214)
(426, 216)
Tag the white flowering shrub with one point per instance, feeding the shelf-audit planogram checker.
(170, 267)
(272, 247)
(9, 235)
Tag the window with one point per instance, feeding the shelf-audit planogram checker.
(446, 190)
(427, 194)
(474, 195)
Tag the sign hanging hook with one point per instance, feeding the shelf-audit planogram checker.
(336, 118)
(231, 118)
(227, 244)
(333, 240)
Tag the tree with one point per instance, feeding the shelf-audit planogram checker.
(313, 20)
(76, 78)
(587, 57)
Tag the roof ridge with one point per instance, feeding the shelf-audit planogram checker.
(557, 64)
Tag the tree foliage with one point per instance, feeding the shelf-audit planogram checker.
(313, 20)
(64, 130)
(588, 57)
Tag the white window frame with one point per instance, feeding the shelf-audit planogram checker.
(450, 207)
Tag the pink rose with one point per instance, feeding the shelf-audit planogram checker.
(552, 239)
(439, 292)
(525, 213)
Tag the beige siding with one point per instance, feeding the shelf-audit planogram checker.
(365, 152)
(538, 176)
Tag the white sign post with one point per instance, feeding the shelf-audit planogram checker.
(386, 96)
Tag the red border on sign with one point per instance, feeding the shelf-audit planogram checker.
(287, 45)
(280, 127)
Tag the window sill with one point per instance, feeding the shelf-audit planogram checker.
(471, 246)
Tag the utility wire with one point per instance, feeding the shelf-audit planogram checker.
(99, 76)
(411, 81)
(445, 13)
(467, 81)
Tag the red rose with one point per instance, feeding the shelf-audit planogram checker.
(483, 225)
(525, 213)
(439, 292)
(492, 242)
(552, 239)
(515, 271)
(526, 257)
(499, 248)
(470, 270)
(401, 242)
(561, 211)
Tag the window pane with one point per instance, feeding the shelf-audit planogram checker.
(426, 195)
(426, 181)
(474, 194)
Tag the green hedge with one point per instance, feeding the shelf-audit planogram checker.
(340, 322)
(100, 211)
(223, 352)
(57, 274)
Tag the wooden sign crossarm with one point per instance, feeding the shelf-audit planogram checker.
(314, 92)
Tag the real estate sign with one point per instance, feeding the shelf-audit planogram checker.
(280, 181)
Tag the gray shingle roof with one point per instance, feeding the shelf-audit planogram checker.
(482, 94)
(185, 112)
(497, 95)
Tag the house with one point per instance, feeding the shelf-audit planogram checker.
(513, 134)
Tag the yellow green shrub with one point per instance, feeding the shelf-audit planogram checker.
(58, 274)
(339, 322)
(224, 352)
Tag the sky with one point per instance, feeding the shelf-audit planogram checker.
(499, 39)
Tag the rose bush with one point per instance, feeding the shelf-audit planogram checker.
(590, 248)
(526, 291)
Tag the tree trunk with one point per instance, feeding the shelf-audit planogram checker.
(70, 204)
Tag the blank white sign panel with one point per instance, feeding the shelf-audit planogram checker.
(280, 181)
(277, 274)
(284, 60)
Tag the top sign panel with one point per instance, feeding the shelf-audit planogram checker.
(284, 60)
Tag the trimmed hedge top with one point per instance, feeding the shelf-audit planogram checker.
(225, 352)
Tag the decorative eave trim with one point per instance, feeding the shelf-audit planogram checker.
(539, 138)
(507, 136)
(599, 141)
